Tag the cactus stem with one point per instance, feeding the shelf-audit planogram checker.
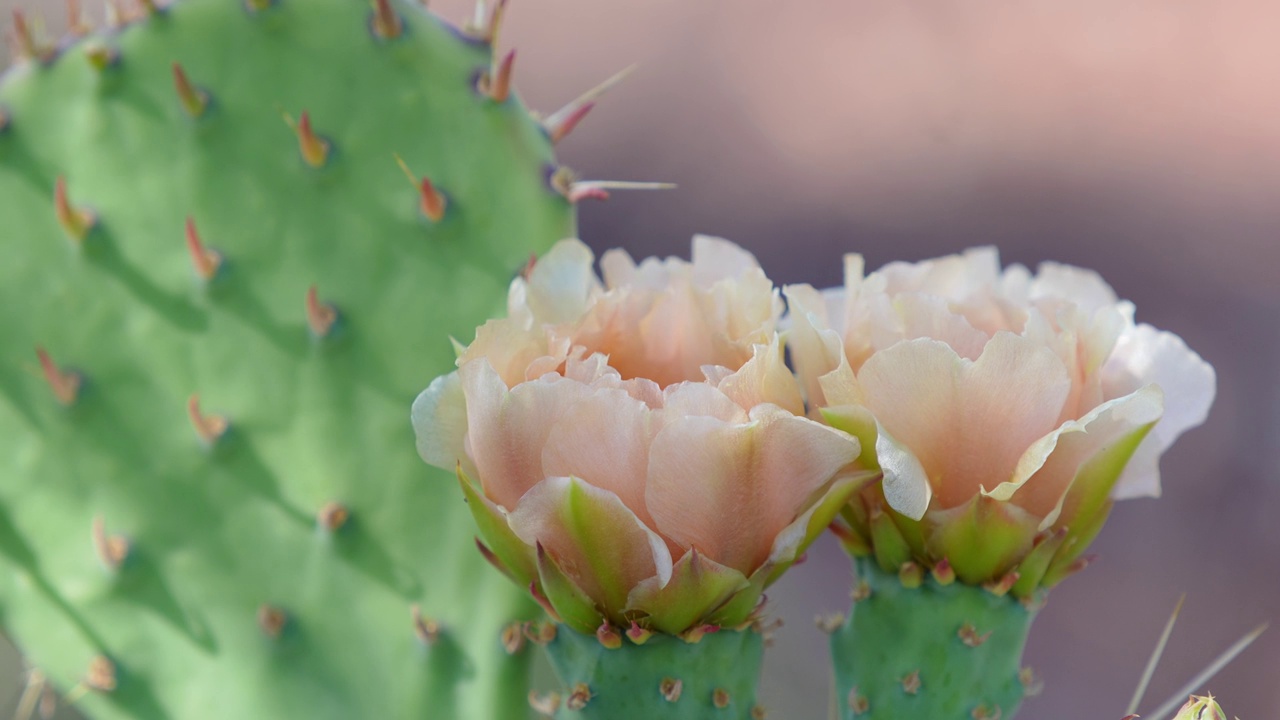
(427, 630)
(256, 6)
(149, 6)
(64, 383)
(858, 702)
(206, 260)
(496, 82)
(720, 698)
(579, 697)
(332, 516)
(194, 100)
(670, 689)
(314, 149)
(544, 703)
(829, 623)
(513, 638)
(566, 124)
(271, 620)
(76, 222)
(431, 202)
(609, 636)
(112, 549)
(101, 56)
(911, 683)
(320, 315)
(209, 428)
(4, 120)
(969, 635)
(386, 24)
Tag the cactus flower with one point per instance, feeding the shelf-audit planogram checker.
(638, 446)
(1007, 410)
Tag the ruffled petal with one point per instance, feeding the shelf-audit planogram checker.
(765, 378)
(729, 490)
(507, 429)
(439, 417)
(604, 439)
(561, 283)
(1147, 355)
(966, 423)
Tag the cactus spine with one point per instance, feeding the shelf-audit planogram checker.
(221, 295)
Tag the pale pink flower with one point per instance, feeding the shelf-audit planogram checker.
(996, 398)
(640, 446)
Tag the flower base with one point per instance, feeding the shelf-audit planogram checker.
(665, 678)
(942, 652)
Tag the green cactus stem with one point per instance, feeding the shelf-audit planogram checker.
(219, 297)
(665, 678)
(938, 651)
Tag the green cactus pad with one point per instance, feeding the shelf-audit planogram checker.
(943, 652)
(234, 600)
(666, 678)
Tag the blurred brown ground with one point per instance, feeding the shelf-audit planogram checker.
(1140, 138)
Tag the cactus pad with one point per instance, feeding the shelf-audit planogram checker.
(665, 678)
(944, 652)
(210, 503)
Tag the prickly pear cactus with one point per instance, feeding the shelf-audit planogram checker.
(915, 647)
(220, 295)
(662, 677)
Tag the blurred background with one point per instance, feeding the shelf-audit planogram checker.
(1137, 137)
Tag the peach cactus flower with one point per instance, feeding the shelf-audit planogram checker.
(1007, 410)
(640, 447)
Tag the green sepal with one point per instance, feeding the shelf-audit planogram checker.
(790, 544)
(516, 556)
(698, 586)
(742, 605)
(571, 603)
(891, 549)
(983, 539)
(1033, 567)
(860, 423)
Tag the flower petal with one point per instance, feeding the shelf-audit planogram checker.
(439, 419)
(967, 423)
(604, 440)
(729, 490)
(593, 537)
(765, 378)
(561, 283)
(983, 538)
(492, 522)
(507, 429)
(1147, 355)
(800, 534)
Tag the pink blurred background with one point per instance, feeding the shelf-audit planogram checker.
(1137, 137)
